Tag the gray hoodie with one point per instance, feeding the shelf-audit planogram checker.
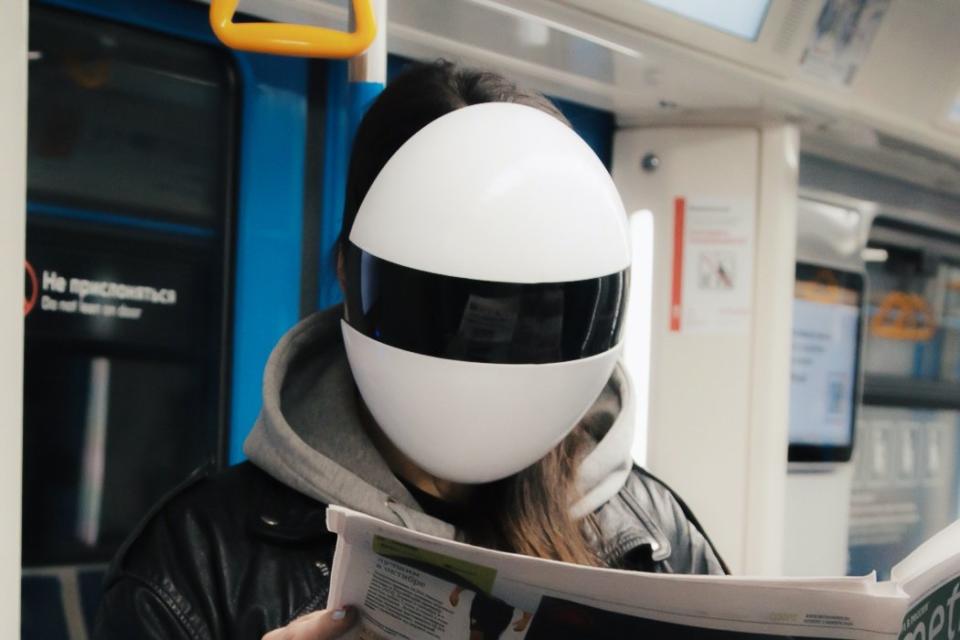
(309, 435)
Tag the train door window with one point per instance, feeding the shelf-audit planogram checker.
(127, 121)
(906, 482)
(130, 164)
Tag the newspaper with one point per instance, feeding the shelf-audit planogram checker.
(413, 586)
(930, 576)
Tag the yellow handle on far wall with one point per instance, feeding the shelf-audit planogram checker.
(294, 39)
(903, 316)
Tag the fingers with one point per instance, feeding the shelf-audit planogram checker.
(523, 621)
(319, 625)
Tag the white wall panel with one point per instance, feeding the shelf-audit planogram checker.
(718, 412)
(13, 159)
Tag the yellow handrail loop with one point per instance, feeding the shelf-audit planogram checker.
(294, 39)
(903, 316)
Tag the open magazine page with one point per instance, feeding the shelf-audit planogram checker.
(414, 586)
(931, 578)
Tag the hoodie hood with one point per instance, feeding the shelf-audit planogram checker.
(309, 434)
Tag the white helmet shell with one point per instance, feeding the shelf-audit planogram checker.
(486, 283)
(496, 191)
(473, 422)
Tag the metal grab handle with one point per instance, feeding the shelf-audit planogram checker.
(294, 39)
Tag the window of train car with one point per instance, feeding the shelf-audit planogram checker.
(127, 121)
(906, 480)
(130, 163)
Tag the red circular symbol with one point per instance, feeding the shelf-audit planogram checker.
(30, 300)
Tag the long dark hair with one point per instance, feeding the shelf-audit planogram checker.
(528, 512)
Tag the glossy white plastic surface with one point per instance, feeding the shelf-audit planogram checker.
(472, 422)
(503, 192)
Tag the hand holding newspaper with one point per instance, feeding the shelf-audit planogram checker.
(418, 587)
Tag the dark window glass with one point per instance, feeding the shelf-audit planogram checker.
(124, 385)
(125, 120)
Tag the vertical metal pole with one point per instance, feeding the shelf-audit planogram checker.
(347, 102)
(368, 72)
(94, 452)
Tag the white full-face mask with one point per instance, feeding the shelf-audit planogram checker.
(486, 280)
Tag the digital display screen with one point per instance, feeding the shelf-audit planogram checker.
(743, 18)
(824, 369)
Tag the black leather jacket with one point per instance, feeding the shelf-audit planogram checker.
(236, 554)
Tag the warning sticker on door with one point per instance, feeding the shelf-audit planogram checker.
(713, 249)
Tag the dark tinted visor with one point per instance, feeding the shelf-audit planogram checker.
(482, 321)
